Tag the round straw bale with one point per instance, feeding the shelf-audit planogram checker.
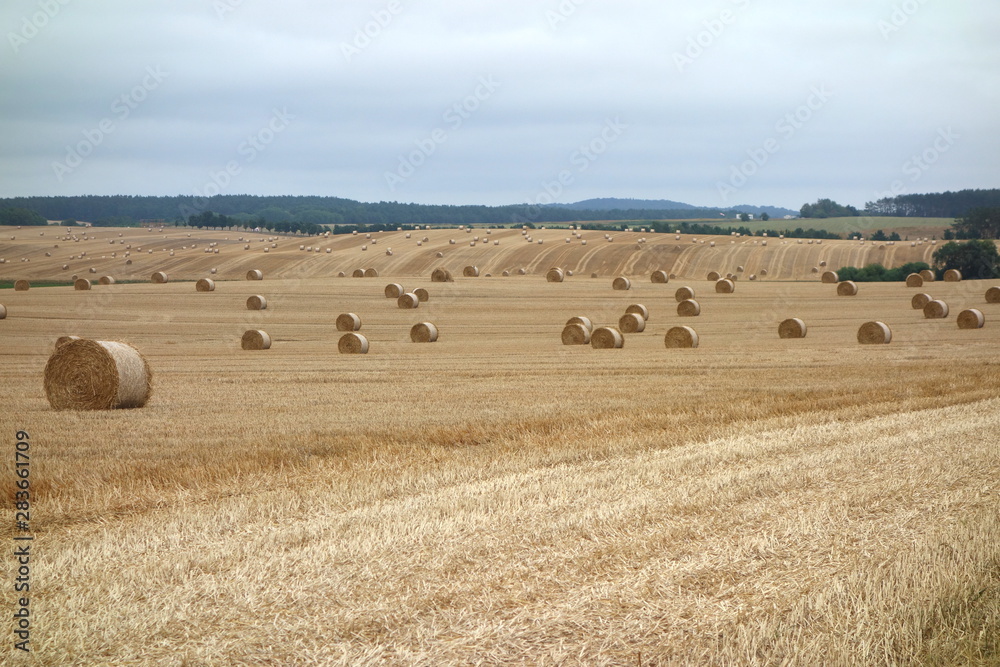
(348, 322)
(681, 337)
(92, 270)
(62, 340)
(714, 276)
(952, 276)
(822, 264)
(106, 280)
(847, 288)
(21, 285)
(639, 309)
(159, 277)
(423, 332)
(793, 327)
(470, 271)
(440, 254)
(993, 295)
(256, 302)
(927, 275)
(580, 319)
(830, 277)
(607, 338)
(763, 272)
(353, 343)
(726, 286)
(555, 275)
(97, 375)
(441, 275)
(255, 339)
(522, 272)
(659, 277)
(3, 312)
(971, 318)
(81, 284)
(205, 285)
(408, 300)
(371, 273)
(358, 273)
(255, 274)
(422, 294)
(684, 293)
(505, 274)
(914, 280)
(631, 323)
(920, 300)
(874, 333)
(935, 309)
(575, 333)
(689, 308)
(393, 291)
(621, 283)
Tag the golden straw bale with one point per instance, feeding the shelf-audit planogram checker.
(793, 327)
(471, 272)
(830, 277)
(255, 274)
(575, 334)
(106, 280)
(441, 275)
(97, 375)
(371, 273)
(607, 338)
(621, 283)
(255, 339)
(920, 300)
(935, 309)
(159, 277)
(689, 308)
(555, 275)
(874, 333)
(348, 322)
(952, 276)
(631, 323)
(683, 337)
(422, 294)
(21, 285)
(408, 300)
(353, 343)
(205, 285)
(971, 318)
(640, 309)
(423, 332)
(684, 293)
(927, 275)
(914, 280)
(256, 302)
(726, 286)
(3, 312)
(582, 320)
(62, 340)
(659, 277)
(993, 295)
(847, 288)
(714, 276)
(358, 273)
(81, 284)
(393, 291)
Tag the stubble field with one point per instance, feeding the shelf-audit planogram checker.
(499, 498)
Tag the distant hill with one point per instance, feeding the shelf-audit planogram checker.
(623, 204)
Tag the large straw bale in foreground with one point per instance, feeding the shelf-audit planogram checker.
(353, 343)
(874, 333)
(255, 339)
(683, 337)
(424, 332)
(97, 375)
(971, 318)
(348, 322)
(607, 338)
(793, 327)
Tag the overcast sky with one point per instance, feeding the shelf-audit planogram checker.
(496, 102)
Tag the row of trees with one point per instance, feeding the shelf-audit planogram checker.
(23, 217)
(977, 259)
(827, 208)
(934, 205)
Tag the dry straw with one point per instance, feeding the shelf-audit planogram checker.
(914, 280)
(441, 275)
(256, 302)
(689, 308)
(927, 275)
(81, 284)
(255, 274)
(575, 334)
(255, 339)
(684, 294)
(971, 318)
(159, 277)
(582, 320)
(993, 295)
(424, 332)
(3, 312)
(348, 322)
(726, 286)
(353, 343)
(793, 327)
(555, 275)
(830, 277)
(714, 275)
(205, 285)
(62, 340)
(607, 338)
(471, 272)
(935, 309)
(874, 333)
(920, 300)
(106, 280)
(522, 272)
(371, 273)
(639, 309)
(847, 288)
(408, 300)
(621, 283)
(21, 286)
(422, 294)
(684, 337)
(659, 277)
(631, 323)
(97, 375)
(358, 273)
(953, 276)
(393, 291)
